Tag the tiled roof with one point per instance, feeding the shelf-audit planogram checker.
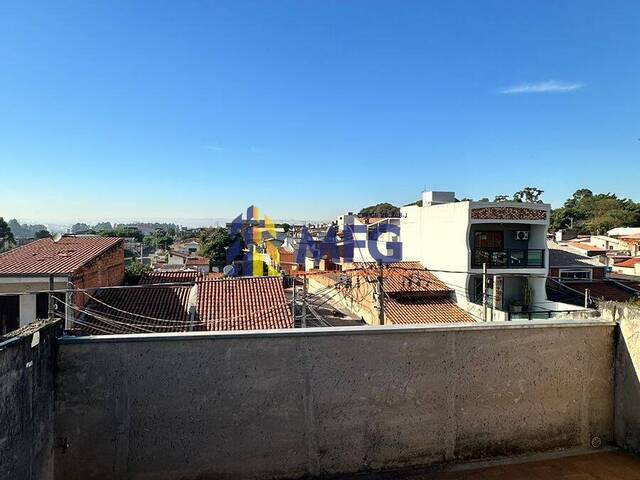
(603, 290)
(127, 310)
(47, 257)
(409, 277)
(586, 247)
(245, 303)
(197, 261)
(415, 295)
(181, 276)
(419, 311)
(630, 263)
(176, 253)
(562, 256)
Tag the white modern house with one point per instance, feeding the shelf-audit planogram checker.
(456, 240)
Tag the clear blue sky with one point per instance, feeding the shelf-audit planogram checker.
(310, 108)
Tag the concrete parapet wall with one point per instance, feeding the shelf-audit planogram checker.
(328, 401)
(27, 368)
(627, 374)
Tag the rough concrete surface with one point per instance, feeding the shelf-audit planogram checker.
(289, 405)
(27, 403)
(627, 375)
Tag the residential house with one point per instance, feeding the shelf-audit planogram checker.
(412, 294)
(456, 240)
(630, 266)
(624, 231)
(28, 272)
(578, 279)
(185, 301)
(200, 264)
(188, 246)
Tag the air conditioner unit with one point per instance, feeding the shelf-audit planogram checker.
(521, 234)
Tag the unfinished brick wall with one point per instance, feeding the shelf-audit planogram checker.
(104, 271)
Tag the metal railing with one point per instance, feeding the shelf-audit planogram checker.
(507, 258)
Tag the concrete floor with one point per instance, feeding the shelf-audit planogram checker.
(606, 465)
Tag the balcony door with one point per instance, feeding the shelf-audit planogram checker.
(489, 240)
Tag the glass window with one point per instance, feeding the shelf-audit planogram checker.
(535, 258)
(575, 275)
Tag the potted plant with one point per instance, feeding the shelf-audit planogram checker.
(516, 306)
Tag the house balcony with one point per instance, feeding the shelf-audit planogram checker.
(508, 258)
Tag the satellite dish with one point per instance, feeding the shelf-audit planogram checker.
(57, 237)
(228, 270)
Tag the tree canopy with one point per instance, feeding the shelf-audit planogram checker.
(44, 233)
(381, 210)
(7, 240)
(159, 239)
(595, 213)
(214, 243)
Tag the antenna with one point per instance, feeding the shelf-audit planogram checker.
(228, 270)
(57, 237)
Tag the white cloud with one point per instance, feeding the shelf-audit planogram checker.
(214, 148)
(549, 86)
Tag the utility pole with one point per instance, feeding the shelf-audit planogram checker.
(68, 312)
(484, 292)
(51, 297)
(304, 301)
(380, 293)
(293, 302)
(586, 298)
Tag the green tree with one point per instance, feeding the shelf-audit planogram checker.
(42, 234)
(214, 243)
(133, 271)
(159, 239)
(123, 233)
(382, 210)
(528, 195)
(501, 198)
(595, 213)
(7, 240)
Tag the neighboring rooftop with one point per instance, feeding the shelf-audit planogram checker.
(244, 303)
(564, 256)
(180, 276)
(203, 304)
(624, 231)
(604, 290)
(46, 257)
(586, 247)
(413, 294)
(630, 263)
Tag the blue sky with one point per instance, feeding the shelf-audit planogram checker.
(310, 108)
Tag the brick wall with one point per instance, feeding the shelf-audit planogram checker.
(104, 271)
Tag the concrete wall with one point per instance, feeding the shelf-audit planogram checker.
(27, 403)
(327, 401)
(627, 374)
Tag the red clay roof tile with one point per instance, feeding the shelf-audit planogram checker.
(245, 303)
(46, 257)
